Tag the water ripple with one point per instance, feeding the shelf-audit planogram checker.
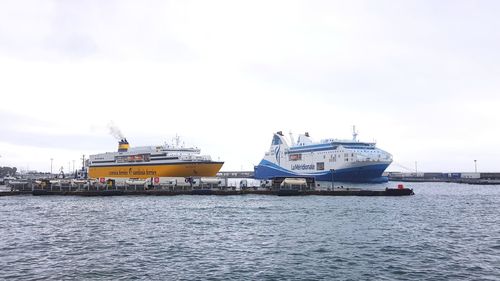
(445, 232)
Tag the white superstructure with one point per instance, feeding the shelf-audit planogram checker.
(328, 159)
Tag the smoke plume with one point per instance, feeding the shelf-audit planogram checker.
(115, 131)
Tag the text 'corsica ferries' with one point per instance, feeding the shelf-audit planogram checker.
(152, 161)
(330, 159)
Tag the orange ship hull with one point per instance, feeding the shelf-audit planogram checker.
(202, 169)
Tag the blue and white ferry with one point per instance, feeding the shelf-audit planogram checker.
(327, 160)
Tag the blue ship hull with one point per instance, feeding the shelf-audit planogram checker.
(364, 174)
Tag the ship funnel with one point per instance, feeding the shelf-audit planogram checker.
(278, 139)
(123, 145)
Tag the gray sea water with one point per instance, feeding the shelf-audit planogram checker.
(444, 232)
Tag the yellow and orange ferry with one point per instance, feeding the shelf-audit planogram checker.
(152, 161)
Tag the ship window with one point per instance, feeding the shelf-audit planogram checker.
(320, 166)
(133, 158)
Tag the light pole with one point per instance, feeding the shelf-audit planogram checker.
(475, 166)
(51, 160)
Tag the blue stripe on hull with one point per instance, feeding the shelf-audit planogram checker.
(364, 174)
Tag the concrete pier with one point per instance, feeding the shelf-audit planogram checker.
(89, 188)
(462, 178)
(386, 192)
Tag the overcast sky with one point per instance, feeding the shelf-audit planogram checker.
(422, 78)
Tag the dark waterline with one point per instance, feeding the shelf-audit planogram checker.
(444, 232)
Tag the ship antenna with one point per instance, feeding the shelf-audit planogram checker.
(177, 140)
(291, 138)
(354, 133)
